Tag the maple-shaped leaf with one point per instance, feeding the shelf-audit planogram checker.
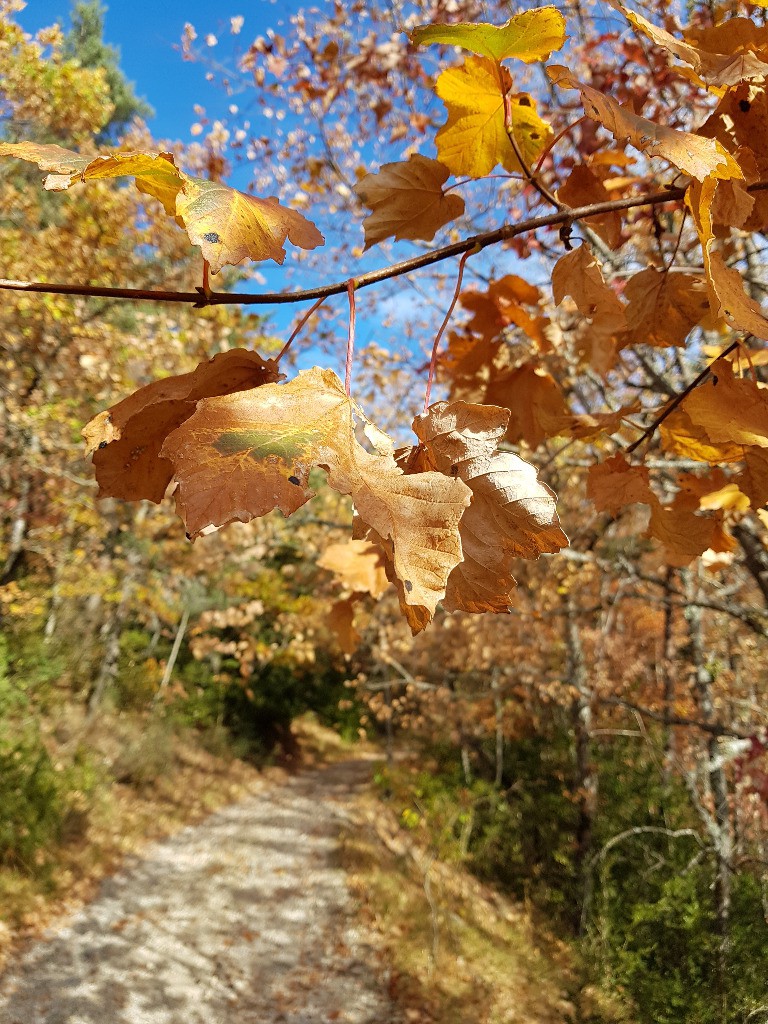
(504, 303)
(357, 565)
(730, 410)
(230, 226)
(156, 174)
(530, 36)
(242, 455)
(474, 139)
(407, 201)
(727, 64)
(694, 155)
(512, 514)
(614, 483)
(664, 307)
(126, 439)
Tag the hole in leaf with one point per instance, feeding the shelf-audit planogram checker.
(211, 237)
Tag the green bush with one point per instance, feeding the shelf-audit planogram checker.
(31, 806)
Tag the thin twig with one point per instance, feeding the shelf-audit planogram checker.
(298, 327)
(443, 325)
(669, 409)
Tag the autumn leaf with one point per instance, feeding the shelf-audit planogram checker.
(474, 139)
(663, 307)
(240, 456)
(583, 187)
(694, 155)
(530, 36)
(753, 480)
(730, 410)
(614, 483)
(407, 201)
(684, 534)
(579, 275)
(357, 566)
(680, 436)
(230, 226)
(725, 66)
(512, 514)
(156, 174)
(126, 439)
(341, 620)
(536, 403)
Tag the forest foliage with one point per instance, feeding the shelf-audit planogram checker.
(554, 223)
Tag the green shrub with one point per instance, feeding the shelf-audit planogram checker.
(31, 806)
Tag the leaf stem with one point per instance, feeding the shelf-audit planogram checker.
(350, 335)
(670, 408)
(509, 128)
(298, 327)
(443, 325)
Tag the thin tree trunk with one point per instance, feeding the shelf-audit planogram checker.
(182, 629)
(668, 676)
(716, 778)
(499, 712)
(586, 776)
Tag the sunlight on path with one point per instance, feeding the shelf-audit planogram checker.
(244, 919)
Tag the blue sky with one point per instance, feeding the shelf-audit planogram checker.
(148, 34)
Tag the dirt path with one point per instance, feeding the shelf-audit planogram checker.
(243, 919)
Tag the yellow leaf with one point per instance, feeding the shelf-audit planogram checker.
(407, 200)
(680, 436)
(530, 36)
(694, 155)
(230, 226)
(512, 514)
(156, 173)
(474, 140)
(728, 498)
(240, 456)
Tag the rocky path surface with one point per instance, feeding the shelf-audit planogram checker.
(243, 919)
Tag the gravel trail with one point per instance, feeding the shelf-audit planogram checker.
(243, 919)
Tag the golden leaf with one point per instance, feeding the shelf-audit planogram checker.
(694, 155)
(474, 140)
(680, 436)
(684, 534)
(536, 403)
(357, 565)
(156, 174)
(407, 201)
(512, 514)
(243, 455)
(341, 620)
(230, 226)
(530, 36)
(126, 439)
(753, 480)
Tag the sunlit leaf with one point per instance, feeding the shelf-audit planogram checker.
(530, 36)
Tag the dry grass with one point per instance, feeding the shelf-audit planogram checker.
(459, 952)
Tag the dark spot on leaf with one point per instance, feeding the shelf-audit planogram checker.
(534, 135)
(103, 444)
(211, 237)
(714, 380)
(524, 101)
(188, 536)
(408, 585)
(293, 480)
(454, 470)
(744, 106)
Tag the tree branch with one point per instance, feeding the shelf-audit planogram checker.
(427, 259)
